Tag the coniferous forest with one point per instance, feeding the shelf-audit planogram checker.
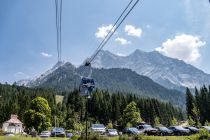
(103, 107)
(198, 106)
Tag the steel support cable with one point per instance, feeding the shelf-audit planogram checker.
(104, 42)
(60, 27)
(57, 35)
(113, 26)
(58, 6)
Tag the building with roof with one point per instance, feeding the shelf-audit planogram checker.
(13, 125)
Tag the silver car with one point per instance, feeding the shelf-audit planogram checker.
(100, 128)
(112, 132)
(45, 134)
(206, 127)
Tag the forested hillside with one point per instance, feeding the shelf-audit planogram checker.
(103, 106)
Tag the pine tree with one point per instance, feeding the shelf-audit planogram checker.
(157, 121)
(190, 104)
(131, 115)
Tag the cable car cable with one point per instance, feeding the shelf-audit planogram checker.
(60, 25)
(57, 36)
(87, 83)
(113, 26)
(58, 7)
(104, 42)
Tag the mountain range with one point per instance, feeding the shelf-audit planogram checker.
(168, 72)
(146, 74)
(66, 77)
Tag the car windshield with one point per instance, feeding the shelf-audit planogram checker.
(163, 128)
(193, 128)
(133, 129)
(43, 132)
(98, 126)
(112, 130)
(147, 126)
(58, 129)
(179, 127)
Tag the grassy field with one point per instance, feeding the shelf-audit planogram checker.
(29, 138)
(111, 138)
(59, 99)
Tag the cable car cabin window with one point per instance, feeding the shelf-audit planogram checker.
(86, 86)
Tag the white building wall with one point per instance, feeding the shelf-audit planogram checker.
(17, 128)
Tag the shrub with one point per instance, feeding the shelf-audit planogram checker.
(1, 132)
(125, 137)
(109, 125)
(203, 134)
(94, 136)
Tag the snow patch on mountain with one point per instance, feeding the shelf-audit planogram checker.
(42, 78)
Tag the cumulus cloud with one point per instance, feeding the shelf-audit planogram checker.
(46, 54)
(103, 31)
(133, 31)
(184, 47)
(122, 41)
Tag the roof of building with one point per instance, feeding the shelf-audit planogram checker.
(14, 119)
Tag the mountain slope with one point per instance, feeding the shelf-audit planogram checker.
(125, 80)
(169, 72)
(66, 77)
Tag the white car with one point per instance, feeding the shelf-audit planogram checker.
(112, 132)
(45, 134)
(206, 127)
(98, 128)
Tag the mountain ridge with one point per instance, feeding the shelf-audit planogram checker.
(169, 72)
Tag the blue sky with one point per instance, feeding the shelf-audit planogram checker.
(176, 28)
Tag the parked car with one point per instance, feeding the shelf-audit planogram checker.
(193, 130)
(45, 134)
(148, 129)
(100, 128)
(207, 128)
(112, 132)
(164, 131)
(58, 132)
(132, 130)
(179, 130)
(69, 135)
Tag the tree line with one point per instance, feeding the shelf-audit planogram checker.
(103, 107)
(198, 106)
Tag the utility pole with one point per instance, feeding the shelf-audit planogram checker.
(86, 117)
(55, 124)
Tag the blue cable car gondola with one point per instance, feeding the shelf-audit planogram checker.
(86, 86)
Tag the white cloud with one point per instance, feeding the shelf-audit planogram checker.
(103, 31)
(133, 31)
(185, 47)
(122, 41)
(46, 54)
(21, 74)
(18, 74)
